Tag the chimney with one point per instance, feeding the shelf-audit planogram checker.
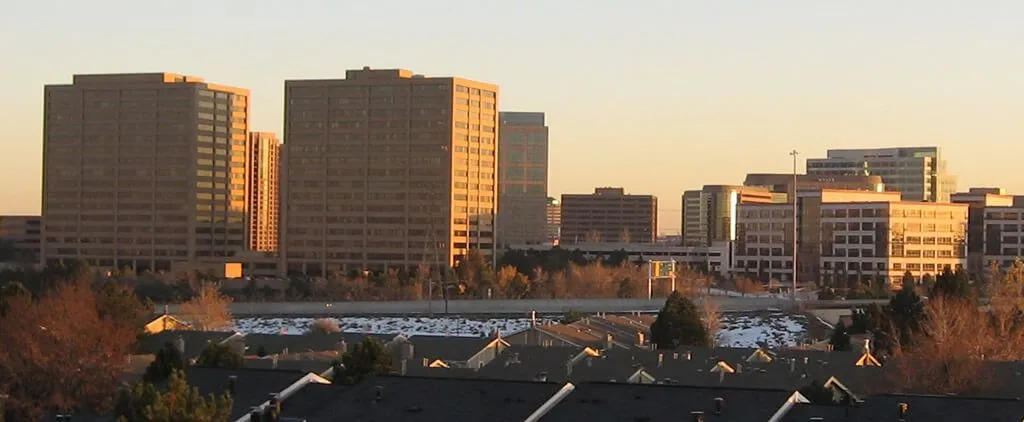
(273, 410)
(274, 364)
(342, 346)
(689, 355)
(542, 376)
(405, 364)
(675, 355)
(179, 344)
(232, 382)
(639, 338)
(533, 318)
(904, 408)
(719, 405)
(426, 362)
(661, 359)
(792, 365)
(608, 341)
(805, 360)
(378, 393)
(697, 416)
(867, 346)
(739, 368)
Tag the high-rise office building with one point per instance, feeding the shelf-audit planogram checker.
(709, 214)
(609, 215)
(387, 168)
(143, 171)
(263, 179)
(783, 182)
(919, 173)
(522, 178)
(554, 220)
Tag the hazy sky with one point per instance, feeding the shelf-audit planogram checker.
(657, 96)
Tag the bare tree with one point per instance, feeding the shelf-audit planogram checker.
(209, 310)
(60, 354)
(711, 316)
(625, 237)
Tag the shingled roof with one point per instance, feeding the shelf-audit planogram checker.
(252, 387)
(918, 409)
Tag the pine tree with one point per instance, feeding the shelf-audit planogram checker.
(179, 403)
(365, 359)
(168, 359)
(840, 338)
(905, 313)
(679, 324)
(218, 355)
(952, 285)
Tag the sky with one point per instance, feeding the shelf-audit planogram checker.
(656, 96)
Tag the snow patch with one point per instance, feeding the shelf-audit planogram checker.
(776, 329)
(407, 326)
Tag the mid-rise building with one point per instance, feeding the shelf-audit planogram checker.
(263, 179)
(1002, 229)
(609, 215)
(22, 235)
(143, 171)
(978, 201)
(387, 168)
(709, 214)
(919, 173)
(522, 178)
(848, 236)
(554, 220)
(783, 182)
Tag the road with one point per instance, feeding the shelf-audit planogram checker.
(521, 307)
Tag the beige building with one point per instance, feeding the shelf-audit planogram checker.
(980, 201)
(22, 234)
(919, 173)
(263, 179)
(848, 234)
(143, 170)
(609, 215)
(387, 168)
(783, 182)
(709, 214)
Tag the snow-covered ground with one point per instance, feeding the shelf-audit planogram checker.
(737, 329)
(772, 328)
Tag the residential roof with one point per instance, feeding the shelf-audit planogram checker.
(447, 348)
(311, 399)
(524, 363)
(298, 343)
(195, 341)
(596, 402)
(424, 399)
(919, 409)
(252, 386)
(316, 366)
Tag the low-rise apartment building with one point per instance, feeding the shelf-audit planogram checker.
(846, 236)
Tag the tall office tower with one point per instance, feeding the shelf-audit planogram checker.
(522, 178)
(709, 214)
(143, 171)
(554, 220)
(386, 168)
(919, 173)
(263, 179)
(609, 215)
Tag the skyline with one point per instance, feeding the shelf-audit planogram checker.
(747, 84)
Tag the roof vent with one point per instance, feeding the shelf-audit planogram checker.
(697, 416)
(903, 407)
(719, 405)
(378, 393)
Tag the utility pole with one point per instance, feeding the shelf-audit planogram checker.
(796, 222)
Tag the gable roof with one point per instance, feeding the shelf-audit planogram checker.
(455, 349)
(524, 363)
(252, 386)
(423, 399)
(596, 402)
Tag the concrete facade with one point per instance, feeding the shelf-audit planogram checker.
(919, 173)
(143, 171)
(522, 178)
(609, 215)
(263, 183)
(387, 168)
(844, 235)
(709, 214)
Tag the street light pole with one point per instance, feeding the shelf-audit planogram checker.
(796, 222)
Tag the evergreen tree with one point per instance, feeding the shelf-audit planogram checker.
(218, 355)
(168, 359)
(179, 403)
(365, 359)
(952, 285)
(903, 315)
(840, 338)
(679, 324)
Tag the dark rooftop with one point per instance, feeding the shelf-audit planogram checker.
(596, 402)
(252, 386)
(436, 399)
(278, 343)
(195, 341)
(447, 348)
(919, 409)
